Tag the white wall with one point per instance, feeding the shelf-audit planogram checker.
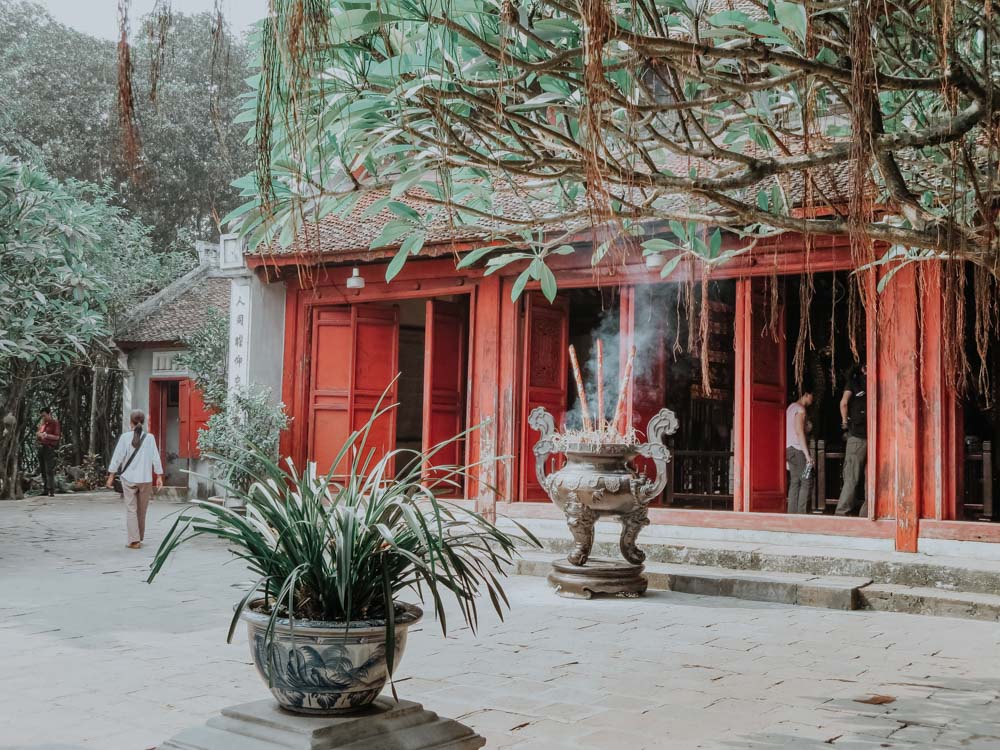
(256, 333)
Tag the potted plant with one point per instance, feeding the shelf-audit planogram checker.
(334, 553)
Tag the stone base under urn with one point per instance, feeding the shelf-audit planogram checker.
(595, 577)
(384, 725)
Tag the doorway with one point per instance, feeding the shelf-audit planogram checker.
(357, 352)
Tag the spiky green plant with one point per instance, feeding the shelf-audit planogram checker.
(343, 548)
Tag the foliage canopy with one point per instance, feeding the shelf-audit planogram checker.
(866, 119)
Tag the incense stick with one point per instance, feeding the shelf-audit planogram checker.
(584, 410)
(623, 393)
(600, 385)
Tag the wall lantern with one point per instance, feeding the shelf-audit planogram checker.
(355, 280)
(655, 260)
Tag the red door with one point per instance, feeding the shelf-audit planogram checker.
(193, 416)
(445, 379)
(355, 355)
(376, 364)
(761, 401)
(546, 359)
(329, 385)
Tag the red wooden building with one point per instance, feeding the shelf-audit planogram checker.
(469, 354)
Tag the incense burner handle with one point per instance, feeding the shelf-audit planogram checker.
(544, 423)
(662, 424)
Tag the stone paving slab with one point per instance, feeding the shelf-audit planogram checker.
(93, 658)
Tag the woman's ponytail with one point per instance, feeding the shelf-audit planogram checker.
(137, 418)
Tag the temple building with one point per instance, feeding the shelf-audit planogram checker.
(787, 312)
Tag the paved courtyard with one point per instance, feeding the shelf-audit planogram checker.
(93, 657)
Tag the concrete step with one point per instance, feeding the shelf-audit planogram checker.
(797, 553)
(173, 494)
(830, 592)
(923, 600)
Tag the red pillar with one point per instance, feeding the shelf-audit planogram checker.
(484, 403)
(898, 438)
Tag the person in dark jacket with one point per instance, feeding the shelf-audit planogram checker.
(854, 421)
(48, 436)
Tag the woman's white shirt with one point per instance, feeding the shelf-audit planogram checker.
(146, 461)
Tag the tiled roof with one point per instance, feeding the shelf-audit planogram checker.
(354, 233)
(174, 316)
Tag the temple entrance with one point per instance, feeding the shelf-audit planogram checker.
(357, 350)
(821, 313)
(978, 415)
(671, 368)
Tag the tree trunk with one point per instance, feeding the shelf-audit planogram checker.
(10, 434)
(95, 380)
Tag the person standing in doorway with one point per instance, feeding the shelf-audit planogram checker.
(854, 421)
(137, 461)
(48, 436)
(797, 454)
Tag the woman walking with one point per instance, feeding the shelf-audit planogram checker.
(136, 460)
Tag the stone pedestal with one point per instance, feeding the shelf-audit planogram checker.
(611, 577)
(385, 725)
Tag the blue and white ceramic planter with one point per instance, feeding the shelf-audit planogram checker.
(325, 667)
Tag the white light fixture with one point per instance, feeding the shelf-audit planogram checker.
(355, 280)
(655, 260)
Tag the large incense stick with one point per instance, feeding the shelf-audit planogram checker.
(623, 393)
(600, 385)
(584, 410)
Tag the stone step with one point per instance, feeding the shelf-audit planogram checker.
(173, 494)
(923, 600)
(830, 592)
(970, 574)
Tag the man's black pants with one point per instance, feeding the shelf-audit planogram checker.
(47, 465)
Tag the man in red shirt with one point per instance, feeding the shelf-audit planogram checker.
(48, 435)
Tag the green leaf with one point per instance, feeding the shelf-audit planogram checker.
(792, 16)
(404, 212)
(519, 283)
(473, 256)
(397, 263)
(548, 280)
(715, 243)
(670, 265)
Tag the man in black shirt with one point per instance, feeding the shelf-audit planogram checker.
(854, 420)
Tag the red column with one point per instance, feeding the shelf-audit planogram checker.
(484, 369)
(898, 437)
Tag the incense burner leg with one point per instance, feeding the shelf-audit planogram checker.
(632, 523)
(580, 520)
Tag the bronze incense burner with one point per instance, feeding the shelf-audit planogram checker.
(599, 480)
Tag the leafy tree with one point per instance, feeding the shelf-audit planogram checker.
(51, 296)
(57, 107)
(872, 120)
(206, 358)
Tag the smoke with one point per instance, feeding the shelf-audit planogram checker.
(656, 311)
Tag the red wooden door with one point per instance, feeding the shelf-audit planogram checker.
(544, 373)
(355, 355)
(445, 382)
(762, 401)
(330, 385)
(376, 364)
(193, 416)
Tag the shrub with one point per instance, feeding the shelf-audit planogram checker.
(243, 436)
